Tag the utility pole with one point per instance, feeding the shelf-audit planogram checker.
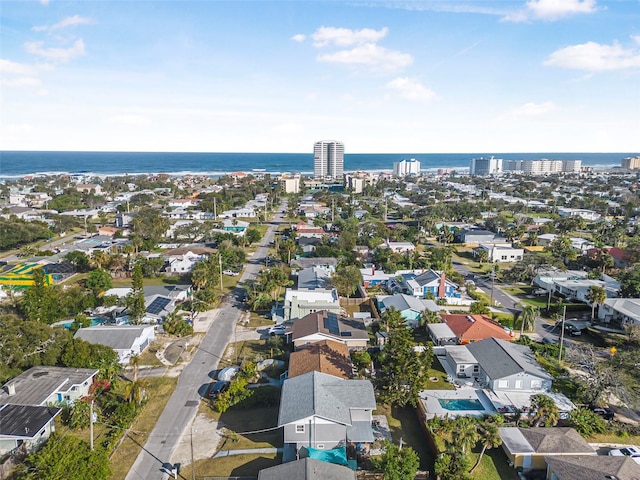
(91, 423)
(215, 214)
(193, 467)
(564, 316)
(493, 281)
(220, 263)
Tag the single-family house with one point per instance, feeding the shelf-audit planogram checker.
(589, 215)
(182, 263)
(429, 282)
(107, 231)
(323, 412)
(410, 307)
(372, 277)
(474, 328)
(620, 311)
(126, 340)
(621, 258)
(440, 334)
(475, 235)
(500, 252)
(25, 427)
(308, 244)
(398, 247)
(506, 366)
(526, 448)
(325, 325)
(461, 361)
(42, 385)
(234, 226)
(325, 356)
(328, 264)
(308, 469)
(546, 278)
(591, 467)
(579, 289)
(313, 278)
(298, 303)
(304, 230)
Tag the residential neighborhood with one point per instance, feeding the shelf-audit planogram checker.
(465, 326)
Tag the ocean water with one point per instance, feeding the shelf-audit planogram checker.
(21, 163)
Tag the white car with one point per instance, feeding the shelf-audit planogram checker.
(231, 273)
(631, 451)
(277, 330)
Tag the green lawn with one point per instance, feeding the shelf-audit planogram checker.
(436, 371)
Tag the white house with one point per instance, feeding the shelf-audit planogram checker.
(501, 252)
(398, 247)
(126, 340)
(620, 311)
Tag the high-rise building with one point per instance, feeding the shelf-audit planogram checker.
(404, 168)
(631, 163)
(328, 159)
(542, 166)
(485, 166)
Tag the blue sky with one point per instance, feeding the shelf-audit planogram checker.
(383, 77)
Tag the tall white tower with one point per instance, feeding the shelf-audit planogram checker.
(328, 159)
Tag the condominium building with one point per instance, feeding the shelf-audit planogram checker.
(356, 181)
(485, 166)
(631, 163)
(542, 166)
(328, 159)
(405, 168)
(290, 183)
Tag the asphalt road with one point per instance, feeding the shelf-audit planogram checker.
(196, 376)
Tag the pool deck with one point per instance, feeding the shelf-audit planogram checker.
(433, 408)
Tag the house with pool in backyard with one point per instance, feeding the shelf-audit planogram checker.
(489, 376)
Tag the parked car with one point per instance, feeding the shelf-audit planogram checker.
(217, 388)
(570, 328)
(549, 340)
(231, 273)
(604, 412)
(277, 330)
(631, 451)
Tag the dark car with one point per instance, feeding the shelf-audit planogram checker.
(604, 412)
(217, 388)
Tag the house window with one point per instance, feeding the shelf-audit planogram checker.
(300, 428)
(503, 383)
(536, 384)
(518, 384)
(476, 369)
(460, 368)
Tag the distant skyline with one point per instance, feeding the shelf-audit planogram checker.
(381, 76)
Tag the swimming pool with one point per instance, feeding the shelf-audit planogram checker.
(94, 322)
(460, 404)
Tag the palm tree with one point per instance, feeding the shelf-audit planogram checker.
(546, 410)
(528, 318)
(490, 438)
(597, 295)
(465, 434)
(99, 259)
(136, 392)
(428, 317)
(134, 361)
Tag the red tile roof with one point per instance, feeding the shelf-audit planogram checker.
(472, 328)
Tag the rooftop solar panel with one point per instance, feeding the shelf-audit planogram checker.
(158, 305)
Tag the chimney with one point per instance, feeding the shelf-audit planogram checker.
(441, 289)
(11, 388)
(373, 270)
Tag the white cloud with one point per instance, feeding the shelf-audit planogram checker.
(411, 89)
(370, 55)
(7, 67)
(21, 82)
(532, 110)
(61, 55)
(636, 38)
(345, 37)
(64, 23)
(44, 2)
(299, 38)
(551, 10)
(311, 97)
(129, 120)
(594, 57)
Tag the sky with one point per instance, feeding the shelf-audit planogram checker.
(430, 76)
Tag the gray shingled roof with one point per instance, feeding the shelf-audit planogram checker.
(307, 262)
(403, 302)
(34, 386)
(307, 469)
(544, 440)
(501, 359)
(117, 337)
(25, 421)
(601, 467)
(326, 396)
